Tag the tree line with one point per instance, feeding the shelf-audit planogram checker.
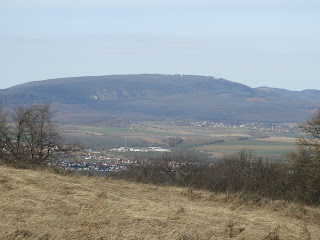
(28, 136)
(294, 180)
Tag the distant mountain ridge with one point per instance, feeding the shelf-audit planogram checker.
(154, 96)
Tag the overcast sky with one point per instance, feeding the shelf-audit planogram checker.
(257, 43)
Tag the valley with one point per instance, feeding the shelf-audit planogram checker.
(159, 120)
(214, 139)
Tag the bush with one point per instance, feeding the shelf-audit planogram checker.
(27, 135)
(237, 173)
(306, 162)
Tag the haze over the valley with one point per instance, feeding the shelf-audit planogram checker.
(160, 119)
(256, 43)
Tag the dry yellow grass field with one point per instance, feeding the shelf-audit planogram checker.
(44, 205)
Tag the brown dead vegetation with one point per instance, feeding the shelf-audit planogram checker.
(45, 205)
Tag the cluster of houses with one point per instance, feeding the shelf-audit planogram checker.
(78, 159)
(113, 165)
(140, 149)
(89, 160)
(267, 127)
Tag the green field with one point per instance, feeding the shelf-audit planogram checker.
(265, 148)
(290, 135)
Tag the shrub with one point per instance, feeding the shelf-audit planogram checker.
(27, 135)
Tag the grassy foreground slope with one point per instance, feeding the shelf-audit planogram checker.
(44, 205)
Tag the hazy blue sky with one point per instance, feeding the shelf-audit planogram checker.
(273, 43)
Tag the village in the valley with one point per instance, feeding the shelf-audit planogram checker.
(78, 159)
(81, 159)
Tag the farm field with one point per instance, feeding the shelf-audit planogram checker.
(215, 142)
(258, 147)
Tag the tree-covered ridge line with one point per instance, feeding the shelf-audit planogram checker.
(157, 97)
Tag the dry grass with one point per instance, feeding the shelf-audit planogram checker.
(43, 205)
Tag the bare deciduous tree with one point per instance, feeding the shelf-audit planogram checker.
(28, 135)
(306, 161)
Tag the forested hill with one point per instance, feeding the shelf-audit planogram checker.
(154, 97)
